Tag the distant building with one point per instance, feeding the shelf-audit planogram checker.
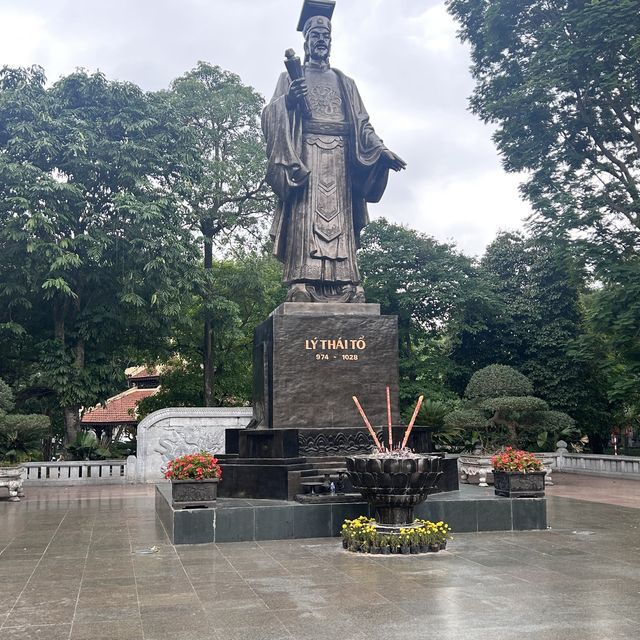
(119, 412)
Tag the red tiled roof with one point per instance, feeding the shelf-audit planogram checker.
(135, 373)
(119, 409)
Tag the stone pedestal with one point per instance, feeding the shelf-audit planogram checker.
(310, 359)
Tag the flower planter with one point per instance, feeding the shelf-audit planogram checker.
(11, 477)
(515, 484)
(471, 465)
(194, 494)
(393, 486)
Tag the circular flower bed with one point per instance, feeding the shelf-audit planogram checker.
(365, 535)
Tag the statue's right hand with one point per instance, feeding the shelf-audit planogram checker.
(297, 91)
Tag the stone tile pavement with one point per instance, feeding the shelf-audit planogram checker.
(73, 566)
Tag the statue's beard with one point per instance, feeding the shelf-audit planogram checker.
(319, 55)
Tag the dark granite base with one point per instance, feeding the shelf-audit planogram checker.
(317, 443)
(278, 479)
(309, 360)
(470, 509)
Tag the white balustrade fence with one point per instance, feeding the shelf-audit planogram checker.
(596, 464)
(127, 471)
(79, 472)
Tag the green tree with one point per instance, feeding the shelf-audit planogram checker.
(560, 80)
(425, 284)
(94, 255)
(248, 288)
(538, 324)
(21, 436)
(222, 185)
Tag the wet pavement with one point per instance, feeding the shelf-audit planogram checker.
(94, 563)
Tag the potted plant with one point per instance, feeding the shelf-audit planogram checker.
(194, 480)
(405, 541)
(517, 474)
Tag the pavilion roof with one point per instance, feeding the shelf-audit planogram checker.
(120, 409)
(142, 372)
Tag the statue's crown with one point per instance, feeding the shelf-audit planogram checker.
(316, 13)
(316, 21)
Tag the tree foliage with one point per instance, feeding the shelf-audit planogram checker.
(535, 325)
(497, 380)
(425, 284)
(222, 184)
(248, 288)
(20, 435)
(94, 254)
(560, 80)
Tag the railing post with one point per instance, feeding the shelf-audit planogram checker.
(561, 449)
(130, 470)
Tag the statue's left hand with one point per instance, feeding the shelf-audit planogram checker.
(394, 161)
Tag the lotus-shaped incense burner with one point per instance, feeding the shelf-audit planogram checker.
(394, 485)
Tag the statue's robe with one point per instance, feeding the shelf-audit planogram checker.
(323, 169)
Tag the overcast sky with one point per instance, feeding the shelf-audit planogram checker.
(410, 69)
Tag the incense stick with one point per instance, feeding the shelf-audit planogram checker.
(368, 424)
(389, 419)
(413, 419)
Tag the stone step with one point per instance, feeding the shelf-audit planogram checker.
(316, 472)
(327, 460)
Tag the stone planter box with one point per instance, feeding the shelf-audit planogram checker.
(194, 493)
(11, 477)
(472, 467)
(514, 484)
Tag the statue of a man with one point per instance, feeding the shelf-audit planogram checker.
(325, 163)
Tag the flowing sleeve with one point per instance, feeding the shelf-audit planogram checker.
(370, 174)
(283, 134)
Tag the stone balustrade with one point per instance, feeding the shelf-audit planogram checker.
(559, 461)
(68, 472)
(596, 464)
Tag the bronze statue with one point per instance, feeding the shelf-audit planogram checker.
(325, 163)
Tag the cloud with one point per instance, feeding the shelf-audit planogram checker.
(408, 65)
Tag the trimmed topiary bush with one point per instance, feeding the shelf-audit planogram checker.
(497, 380)
(500, 410)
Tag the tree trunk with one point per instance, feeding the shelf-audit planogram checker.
(596, 443)
(71, 424)
(207, 351)
(71, 412)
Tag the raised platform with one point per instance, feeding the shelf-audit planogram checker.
(236, 520)
(267, 478)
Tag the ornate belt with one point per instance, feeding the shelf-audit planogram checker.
(325, 128)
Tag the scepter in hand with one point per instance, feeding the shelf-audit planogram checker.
(294, 67)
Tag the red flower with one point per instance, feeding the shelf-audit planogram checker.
(200, 466)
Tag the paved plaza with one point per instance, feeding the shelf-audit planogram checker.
(94, 564)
